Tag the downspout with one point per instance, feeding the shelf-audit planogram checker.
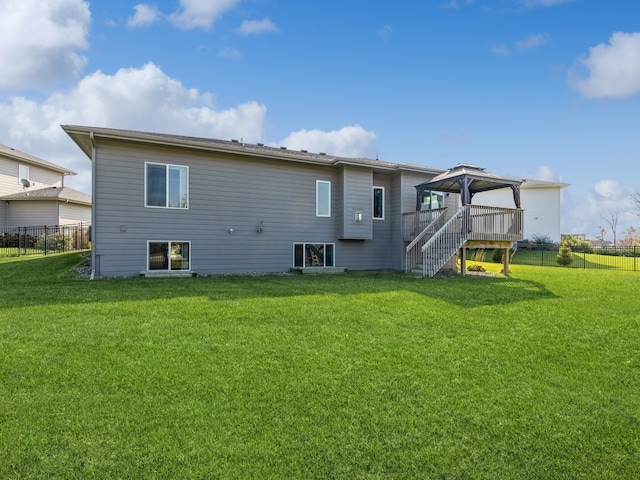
(93, 210)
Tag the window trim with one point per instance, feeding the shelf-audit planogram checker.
(24, 168)
(373, 202)
(328, 184)
(169, 243)
(304, 254)
(167, 185)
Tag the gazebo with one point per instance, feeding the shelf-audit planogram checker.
(466, 180)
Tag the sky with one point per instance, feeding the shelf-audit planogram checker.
(539, 89)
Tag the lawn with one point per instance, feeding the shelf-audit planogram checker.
(536, 375)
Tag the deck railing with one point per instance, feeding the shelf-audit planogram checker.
(439, 241)
(414, 255)
(415, 222)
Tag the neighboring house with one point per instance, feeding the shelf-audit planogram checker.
(540, 201)
(32, 193)
(174, 204)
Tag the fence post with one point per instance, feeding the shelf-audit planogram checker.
(46, 240)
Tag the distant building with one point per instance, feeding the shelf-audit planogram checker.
(32, 193)
(540, 201)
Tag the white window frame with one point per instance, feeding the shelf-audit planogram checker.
(167, 166)
(304, 254)
(373, 202)
(168, 242)
(320, 212)
(23, 172)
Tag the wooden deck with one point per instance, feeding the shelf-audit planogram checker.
(472, 226)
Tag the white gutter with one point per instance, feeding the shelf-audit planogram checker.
(93, 210)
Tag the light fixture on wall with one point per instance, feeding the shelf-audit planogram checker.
(358, 216)
(231, 230)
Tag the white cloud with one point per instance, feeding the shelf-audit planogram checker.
(545, 3)
(610, 70)
(254, 27)
(500, 50)
(456, 3)
(200, 13)
(231, 53)
(350, 141)
(139, 99)
(533, 40)
(144, 16)
(385, 32)
(40, 41)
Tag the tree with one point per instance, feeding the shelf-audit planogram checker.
(612, 221)
(602, 233)
(635, 208)
(565, 257)
(631, 239)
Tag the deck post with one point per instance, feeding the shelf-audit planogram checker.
(463, 261)
(505, 261)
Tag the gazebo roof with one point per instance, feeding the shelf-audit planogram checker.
(467, 179)
(481, 180)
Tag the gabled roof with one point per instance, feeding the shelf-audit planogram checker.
(22, 157)
(85, 136)
(59, 194)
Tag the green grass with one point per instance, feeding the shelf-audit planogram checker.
(341, 376)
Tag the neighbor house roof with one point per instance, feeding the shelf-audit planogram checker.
(60, 194)
(32, 160)
(530, 183)
(84, 137)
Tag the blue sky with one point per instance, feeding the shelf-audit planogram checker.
(545, 89)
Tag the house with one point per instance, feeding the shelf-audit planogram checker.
(172, 204)
(540, 202)
(32, 193)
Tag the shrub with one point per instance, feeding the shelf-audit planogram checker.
(496, 256)
(478, 255)
(476, 267)
(56, 242)
(565, 257)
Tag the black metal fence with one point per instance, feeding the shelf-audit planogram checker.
(581, 256)
(44, 240)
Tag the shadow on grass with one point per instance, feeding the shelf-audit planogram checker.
(52, 281)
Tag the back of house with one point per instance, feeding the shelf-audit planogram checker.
(169, 203)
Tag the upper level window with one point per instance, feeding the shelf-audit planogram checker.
(323, 198)
(166, 186)
(23, 173)
(378, 203)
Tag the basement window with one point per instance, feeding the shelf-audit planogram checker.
(313, 255)
(169, 256)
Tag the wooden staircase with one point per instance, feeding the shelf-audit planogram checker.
(471, 226)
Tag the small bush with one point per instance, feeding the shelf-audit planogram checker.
(56, 242)
(565, 257)
(476, 267)
(496, 256)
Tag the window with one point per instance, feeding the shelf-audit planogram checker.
(166, 186)
(313, 255)
(23, 174)
(378, 203)
(169, 256)
(323, 198)
(432, 200)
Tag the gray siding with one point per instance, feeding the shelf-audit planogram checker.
(269, 205)
(356, 196)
